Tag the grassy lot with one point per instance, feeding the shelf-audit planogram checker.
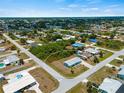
(46, 81)
(115, 45)
(23, 56)
(100, 75)
(79, 88)
(117, 62)
(122, 56)
(106, 55)
(59, 67)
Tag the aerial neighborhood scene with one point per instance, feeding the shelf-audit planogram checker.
(62, 46)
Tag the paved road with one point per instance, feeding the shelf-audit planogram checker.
(39, 62)
(66, 84)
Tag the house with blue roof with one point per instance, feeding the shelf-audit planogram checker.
(93, 40)
(78, 45)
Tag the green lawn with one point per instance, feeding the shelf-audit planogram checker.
(79, 88)
(106, 55)
(117, 62)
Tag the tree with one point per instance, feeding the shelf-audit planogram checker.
(21, 62)
(72, 70)
(23, 41)
(83, 40)
(13, 47)
(18, 52)
(101, 54)
(96, 60)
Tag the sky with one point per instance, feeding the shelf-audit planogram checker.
(61, 8)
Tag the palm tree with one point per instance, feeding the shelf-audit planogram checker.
(101, 54)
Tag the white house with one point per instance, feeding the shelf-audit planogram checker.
(30, 41)
(110, 86)
(2, 49)
(11, 60)
(2, 41)
(92, 51)
(67, 37)
(17, 81)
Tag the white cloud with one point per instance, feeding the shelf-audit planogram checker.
(73, 5)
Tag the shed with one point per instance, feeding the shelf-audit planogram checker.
(72, 62)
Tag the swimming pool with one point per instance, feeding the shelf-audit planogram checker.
(2, 65)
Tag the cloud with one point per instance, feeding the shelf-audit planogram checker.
(73, 5)
(93, 1)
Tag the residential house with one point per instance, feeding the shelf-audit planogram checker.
(72, 62)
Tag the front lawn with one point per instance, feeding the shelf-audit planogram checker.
(79, 88)
(117, 62)
(106, 54)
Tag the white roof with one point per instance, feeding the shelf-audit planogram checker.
(110, 85)
(121, 72)
(10, 59)
(1, 41)
(16, 83)
(1, 75)
(30, 41)
(73, 61)
(92, 51)
(2, 49)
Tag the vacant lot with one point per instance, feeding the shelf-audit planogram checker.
(117, 62)
(47, 82)
(23, 56)
(65, 71)
(79, 88)
(100, 75)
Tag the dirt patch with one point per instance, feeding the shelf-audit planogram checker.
(47, 82)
